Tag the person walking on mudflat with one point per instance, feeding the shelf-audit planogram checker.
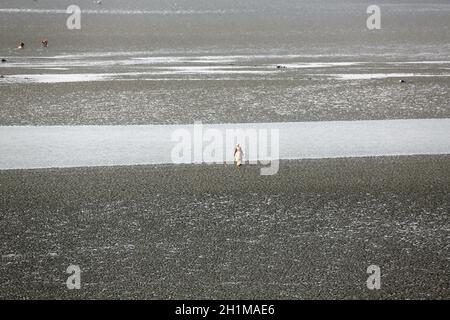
(238, 155)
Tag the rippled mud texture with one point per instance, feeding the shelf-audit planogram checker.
(221, 232)
(183, 102)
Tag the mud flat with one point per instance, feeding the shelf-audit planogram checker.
(215, 231)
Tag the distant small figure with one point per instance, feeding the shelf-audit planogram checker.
(402, 81)
(281, 67)
(44, 43)
(238, 155)
(4, 61)
(21, 45)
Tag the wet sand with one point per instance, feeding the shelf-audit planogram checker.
(215, 231)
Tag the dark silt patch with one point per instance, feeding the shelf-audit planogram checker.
(210, 231)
